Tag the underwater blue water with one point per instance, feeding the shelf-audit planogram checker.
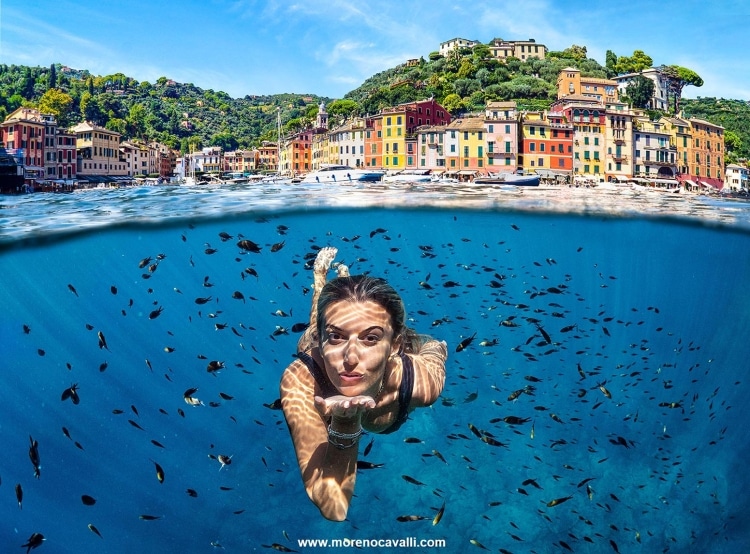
(654, 310)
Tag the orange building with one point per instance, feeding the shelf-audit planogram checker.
(570, 82)
(546, 143)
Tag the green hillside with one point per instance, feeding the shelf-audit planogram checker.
(185, 116)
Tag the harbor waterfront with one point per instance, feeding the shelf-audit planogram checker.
(599, 406)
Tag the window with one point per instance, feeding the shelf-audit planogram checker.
(541, 147)
(532, 147)
(490, 128)
(507, 129)
(466, 151)
(480, 152)
(541, 162)
(398, 120)
(532, 131)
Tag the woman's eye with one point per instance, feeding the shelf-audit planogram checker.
(334, 337)
(372, 338)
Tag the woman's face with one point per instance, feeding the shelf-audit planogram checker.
(356, 344)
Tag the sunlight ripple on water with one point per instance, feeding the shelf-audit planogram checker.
(34, 215)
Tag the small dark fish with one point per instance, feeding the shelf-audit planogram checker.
(225, 236)
(237, 295)
(147, 517)
(134, 424)
(159, 472)
(72, 289)
(544, 333)
(19, 495)
(34, 456)
(102, 341)
(378, 230)
(214, 366)
(35, 540)
(204, 300)
(474, 430)
(88, 500)
(558, 501)
(94, 530)
(411, 480)
(144, 262)
(299, 327)
(466, 342)
(279, 547)
(411, 518)
(225, 396)
(478, 544)
(413, 440)
(72, 393)
(249, 246)
(113, 289)
(26, 329)
(157, 443)
(156, 313)
(368, 447)
(439, 514)
(192, 493)
(103, 366)
(364, 464)
(278, 246)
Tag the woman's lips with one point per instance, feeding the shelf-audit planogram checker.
(350, 377)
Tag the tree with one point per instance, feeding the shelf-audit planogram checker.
(434, 56)
(57, 103)
(344, 108)
(576, 52)
(611, 63)
(453, 103)
(52, 80)
(640, 91)
(678, 77)
(633, 64)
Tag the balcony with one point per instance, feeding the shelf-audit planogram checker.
(619, 157)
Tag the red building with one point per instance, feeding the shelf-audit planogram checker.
(546, 144)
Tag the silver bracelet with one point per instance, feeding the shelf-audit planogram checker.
(347, 436)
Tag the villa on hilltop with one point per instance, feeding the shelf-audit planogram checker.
(501, 49)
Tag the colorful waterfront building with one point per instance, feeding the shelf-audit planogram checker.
(706, 157)
(589, 126)
(296, 154)
(347, 143)
(737, 178)
(501, 132)
(135, 156)
(98, 151)
(619, 142)
(268, 156)
(680, 132)
(23, 133)
(546, 144)
(470, 158)
(401, 122)
(654, 154)
(374, 142)
(660, 99)
(570, 82)
(431, 147)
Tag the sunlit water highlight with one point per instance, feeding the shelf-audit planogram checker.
(660, 311)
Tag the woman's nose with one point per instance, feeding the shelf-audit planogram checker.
(351, 355)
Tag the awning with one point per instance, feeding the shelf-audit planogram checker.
(467, 172)
(689, 182)
(621, 178)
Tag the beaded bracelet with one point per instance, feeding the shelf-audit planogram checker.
(333, 434)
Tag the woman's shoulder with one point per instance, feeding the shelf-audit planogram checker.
(296, 376)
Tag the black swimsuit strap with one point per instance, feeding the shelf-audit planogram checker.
(318, 374)
(405, 391)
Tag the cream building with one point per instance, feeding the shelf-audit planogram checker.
(98, 151)
(521, 49)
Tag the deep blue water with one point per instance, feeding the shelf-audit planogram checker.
(661, 314)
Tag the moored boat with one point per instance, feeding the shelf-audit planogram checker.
(333, 173)
(508, 179)
(11, 174)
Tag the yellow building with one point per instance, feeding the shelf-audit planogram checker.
(98, 151)
(619, 142)
(570, 82)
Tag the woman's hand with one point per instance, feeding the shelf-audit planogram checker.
(344, 407)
